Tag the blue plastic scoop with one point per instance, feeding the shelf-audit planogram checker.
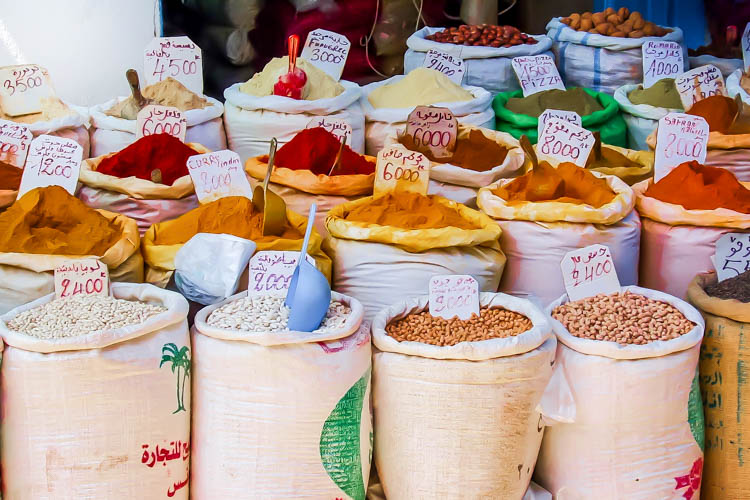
(309, 293)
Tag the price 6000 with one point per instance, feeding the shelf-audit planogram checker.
(435, 138)
(553, 145)
(92, 285)
(161, 128)
(213, 182)
(682, 146)
(391, 172)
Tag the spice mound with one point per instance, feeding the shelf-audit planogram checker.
(737, 288)
(159, 158)
(315, 149)
(319, 85)
(718, 110)
(609, 158)
(486, 35)
(10, 176)
(618, 23)
(169, 92)
(495, 323)
(700, 187)
(475, 152)
(408, 211)
(52, 108)
(623, 317)
(422, 86)
(50, 220)
(269, 314)
(81, 315)
(568, 183)
(662, 94)
(573, 99)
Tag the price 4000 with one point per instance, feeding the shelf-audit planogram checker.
(435, 138)
(555, 146)
(91, 286)
(390, 172)
(683, 147)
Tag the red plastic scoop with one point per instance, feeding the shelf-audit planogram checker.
(292, 83)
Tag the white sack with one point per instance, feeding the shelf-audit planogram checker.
(726, 66)
(72, 126)
(641, 119)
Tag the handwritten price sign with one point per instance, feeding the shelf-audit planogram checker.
(398, 169)
(337, 126)
(155, 119)
(565, 141)
(679, 138)
(589, 271)
(451, 66)
(177, 57)
(218, 174)
(699, 83)
(327, 50)
(454, 295)
(661, 60)
(434, 129)
(557, 114)
(81, 277)
(14, 142)
(22, 89)
(537, 74)
(52, 161)
(271, 272)
(745, 43)
(732, 256)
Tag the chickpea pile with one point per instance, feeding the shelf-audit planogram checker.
(625, 318)
(621, 23)
(493, 323)
(485, 35)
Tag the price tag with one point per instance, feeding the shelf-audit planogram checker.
(81, 277)
(14, 142)
(52, 161)
(536, 74)
(270, 272)
(398, 169)
(22, 89)
(745, 44)
(434, 129)
(679, 138)
(454, 295)
(327, 51)
(565, 141)
(177, 57)
(451, 66)
(732, 256)
(218, 174)
(699, 83)
(337, 126)
(589, 271)
(567, 116)
(661, 60)
(154, 119)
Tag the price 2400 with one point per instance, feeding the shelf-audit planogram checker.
(89, 287)
(591, 271)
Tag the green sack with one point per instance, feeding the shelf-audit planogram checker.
(608, 121)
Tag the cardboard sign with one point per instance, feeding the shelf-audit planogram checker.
(699, 83)
(177, 57)
(451, 66)
(434, 129)
(270, 272)
(661, 60)
(566, 116)
(337, 126)
(398, 169)
(536, 74)
(218, 174)
(745, 44)
(81, 277)
(327, 51)
(454, 295)
(679, 138)
(589, 271)
(22, 89)
(15, 139)
(732, 256)
(565, 141)
(52, 161)
(154, 119)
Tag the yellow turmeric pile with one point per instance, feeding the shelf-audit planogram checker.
(408, 211)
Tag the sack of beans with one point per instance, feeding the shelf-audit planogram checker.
(630, 359)
(148, 180)
(456, 400)
(725, 307)
(385, 249)
(603, 51)
(643, 108)
(114, 122)
(541, 224)
(387, 103)
(683, 216)
(481, 157)
(96, 396)
(293, 407)
(487, 59)
(47, 227)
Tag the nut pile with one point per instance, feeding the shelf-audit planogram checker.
(81, 315)
(269, 314)
(623, 317)
(485, 35)
(618, 23)
(495, 323)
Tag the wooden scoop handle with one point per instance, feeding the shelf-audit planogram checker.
(135, 87)
(528, 150)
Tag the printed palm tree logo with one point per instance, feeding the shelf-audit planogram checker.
(180, 360)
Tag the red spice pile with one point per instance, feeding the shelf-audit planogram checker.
(315, 149)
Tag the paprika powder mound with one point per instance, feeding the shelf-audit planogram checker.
(718, 110)
(10, 176)
(476, 152)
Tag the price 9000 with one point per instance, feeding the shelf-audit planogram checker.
(433, 138)
(390, 172)
(554, 146)
(682, 147)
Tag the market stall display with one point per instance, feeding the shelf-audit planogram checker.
(629, 165)
(643, 108)
(10, 180)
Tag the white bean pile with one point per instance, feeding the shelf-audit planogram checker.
(269, 314)
(80, 315)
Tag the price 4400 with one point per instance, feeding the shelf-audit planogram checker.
(391, 172)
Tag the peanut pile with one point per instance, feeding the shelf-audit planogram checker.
(493, 323)
(623, 317)
(618, 23)
(486, 35)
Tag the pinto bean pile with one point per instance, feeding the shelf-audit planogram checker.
(485, 35)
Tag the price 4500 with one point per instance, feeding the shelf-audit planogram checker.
(391, 172)
(176, 66)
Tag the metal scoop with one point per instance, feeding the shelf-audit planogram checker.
(272, 205)
(529, 152)
(337, 161)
